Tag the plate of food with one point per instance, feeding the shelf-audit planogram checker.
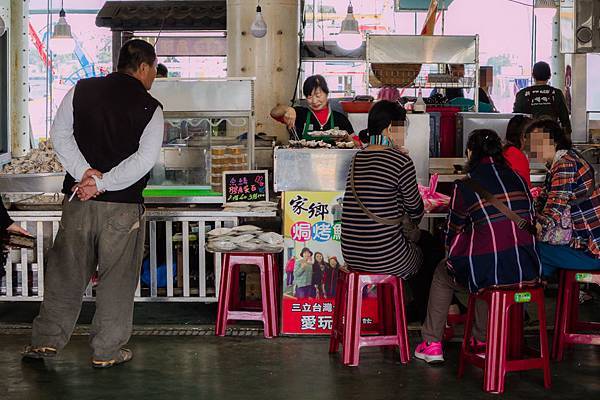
(220, 232)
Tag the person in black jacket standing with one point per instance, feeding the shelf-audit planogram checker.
(542, 100)
(107, 133)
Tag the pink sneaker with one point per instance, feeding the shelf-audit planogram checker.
(431, 353)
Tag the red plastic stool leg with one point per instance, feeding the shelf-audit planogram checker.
(264, 284)
(467, 334)
(563, 318)
(516, 338)
(225, 295)
(497, 343)
(351, 350)
(401, 329)
(338, 313)
(544, 354)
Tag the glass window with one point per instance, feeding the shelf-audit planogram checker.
(51, 71)
(509, 51)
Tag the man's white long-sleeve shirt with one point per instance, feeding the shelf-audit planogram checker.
(128, 171)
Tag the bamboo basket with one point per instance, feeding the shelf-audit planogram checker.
(395, 75)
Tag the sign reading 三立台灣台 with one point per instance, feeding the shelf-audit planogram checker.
(245, 186)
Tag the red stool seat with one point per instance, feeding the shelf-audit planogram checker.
(228, 291)
(347, 316)
(566, 323)
(505, 341)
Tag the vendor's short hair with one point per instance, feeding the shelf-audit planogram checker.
(314, 82)
(561, 139)
(382, 114)
(541, 71)
(162, 71)
(134, 53)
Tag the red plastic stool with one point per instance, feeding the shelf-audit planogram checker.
(228, 289)
(347, 316)
(453, 320)
(505, 340)
(567, 323)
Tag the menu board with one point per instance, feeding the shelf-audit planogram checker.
(246, 186)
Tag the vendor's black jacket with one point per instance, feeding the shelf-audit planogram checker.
(543, 101)
(339, 119)
(109, 116)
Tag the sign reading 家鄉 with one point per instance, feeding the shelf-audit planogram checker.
(246, 186)
(313, 257)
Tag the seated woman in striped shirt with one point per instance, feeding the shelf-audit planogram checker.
(380, 189)
(485, 247)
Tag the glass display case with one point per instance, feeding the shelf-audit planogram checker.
(209, 129)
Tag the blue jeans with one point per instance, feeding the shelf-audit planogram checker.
(564, 257)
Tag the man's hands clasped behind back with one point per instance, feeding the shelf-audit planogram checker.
(86, 189)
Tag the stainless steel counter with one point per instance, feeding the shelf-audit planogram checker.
(315, 170)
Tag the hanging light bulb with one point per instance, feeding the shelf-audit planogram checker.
(349, 37)
(62, 41)
(259, 26)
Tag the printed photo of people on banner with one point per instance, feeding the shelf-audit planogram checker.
(313, 258)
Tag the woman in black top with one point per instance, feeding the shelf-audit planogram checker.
(318, 275)
(317, 117)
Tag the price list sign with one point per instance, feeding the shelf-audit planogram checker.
(246, 186)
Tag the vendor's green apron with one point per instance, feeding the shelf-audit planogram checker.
(308, 127)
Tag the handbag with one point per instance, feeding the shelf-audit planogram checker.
(510, 214)
(560, 234)
(432, 200)
(409, 229)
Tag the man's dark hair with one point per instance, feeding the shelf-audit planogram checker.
(515, 129)
(562, 141)
(314, 82)
(382, 114)
(133, 53)
(162, 71)
(541, 71)
(484, 143)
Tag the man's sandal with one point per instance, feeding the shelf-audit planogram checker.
(37, 353)
(124, 356)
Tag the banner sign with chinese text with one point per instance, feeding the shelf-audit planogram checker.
(313, 256)
(246, 186)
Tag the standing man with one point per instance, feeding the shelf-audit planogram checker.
(107, 133)
(542, 100)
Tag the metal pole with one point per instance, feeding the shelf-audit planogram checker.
(558, 59)
(19, 80)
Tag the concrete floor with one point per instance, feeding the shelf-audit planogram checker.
(284, 368)
(207, 367)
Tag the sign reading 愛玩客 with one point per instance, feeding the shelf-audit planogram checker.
(246, 186)
(313, 257)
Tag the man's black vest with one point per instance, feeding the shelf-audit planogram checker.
(109, 116)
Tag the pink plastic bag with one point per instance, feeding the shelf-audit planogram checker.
(433, 201)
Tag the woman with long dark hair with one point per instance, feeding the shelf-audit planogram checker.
(485, 245)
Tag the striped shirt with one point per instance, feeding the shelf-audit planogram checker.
(386, 183)
(484, 247)
(569, 179)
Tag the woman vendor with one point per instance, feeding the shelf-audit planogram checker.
(319, 116)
